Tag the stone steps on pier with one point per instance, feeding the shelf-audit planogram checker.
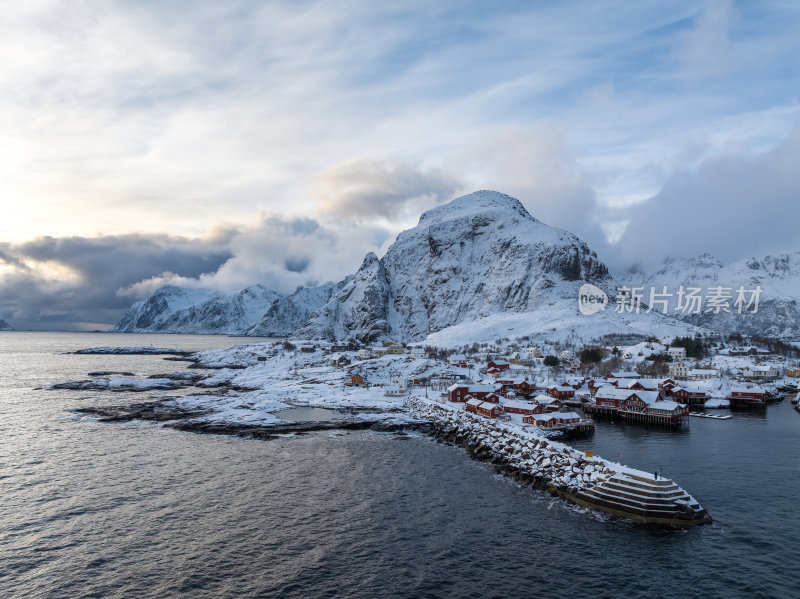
(660, 497)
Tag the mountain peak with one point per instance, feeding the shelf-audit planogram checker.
(479, 202)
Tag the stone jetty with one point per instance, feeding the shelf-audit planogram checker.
(593, 482)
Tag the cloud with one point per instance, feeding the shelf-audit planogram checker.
(706, 46)
(534, 164)
(733, 206)
(77, 278)
(365, 190)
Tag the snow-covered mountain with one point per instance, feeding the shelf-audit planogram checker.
(4, 326)
(254, 310)
(470, 264)
(474, 269)
(778, 276)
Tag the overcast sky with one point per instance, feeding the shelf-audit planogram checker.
(222, 144)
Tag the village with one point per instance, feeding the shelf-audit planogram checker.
(554, 388)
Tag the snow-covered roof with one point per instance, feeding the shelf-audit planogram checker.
(545, 399)
(612, 392)
(517, 403)
(666, 405)
(748, 389)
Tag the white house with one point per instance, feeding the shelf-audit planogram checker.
(677, 353)
(364, 354)
(701, 374)
(533, 352)
(760, 372)
(398, 385)
(679, 370)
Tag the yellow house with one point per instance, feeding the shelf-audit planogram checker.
(794, 372)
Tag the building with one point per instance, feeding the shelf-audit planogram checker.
(459, 361)
(623, 375)
(533, 352)
(690, 395)
(748, 398)
(678, 354)
(679, 370)
(357, 380)
(549, 404)
(458, 392)
(552, 419)
(471, 405)
(793, 372)
(398, 386)
(498, 364)
(364, 354)
(640, 384)
(490, 410)
(339, 361)
(560, 392)
(702, 374)
(516, 406)
(308, 348)
(760, 372)
(340, 347)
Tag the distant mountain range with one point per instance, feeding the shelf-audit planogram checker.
(4, 326)
(777, 313)
(475, 268)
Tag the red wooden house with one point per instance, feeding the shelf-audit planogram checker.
(691, 396)
(472, 404)
(499, 364)
(561, 392)
(516, 406)
(458, 392)
(489, 410)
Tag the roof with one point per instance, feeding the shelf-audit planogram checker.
(517, 403)
(475, 402)
(666, 405)
(612, 392)
(748, 389)
(541, 398)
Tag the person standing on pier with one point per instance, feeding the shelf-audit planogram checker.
(655, 474)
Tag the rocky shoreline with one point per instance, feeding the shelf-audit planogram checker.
(174, 416)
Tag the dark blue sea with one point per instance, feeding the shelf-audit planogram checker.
(90, 509)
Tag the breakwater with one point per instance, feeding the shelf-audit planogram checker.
(588, 481)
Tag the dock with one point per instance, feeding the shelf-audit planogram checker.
(645, 418)
(712, 416)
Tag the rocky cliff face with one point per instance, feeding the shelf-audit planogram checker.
(288, 313)
(478, 255)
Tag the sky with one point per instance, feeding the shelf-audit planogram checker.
(220, 145)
